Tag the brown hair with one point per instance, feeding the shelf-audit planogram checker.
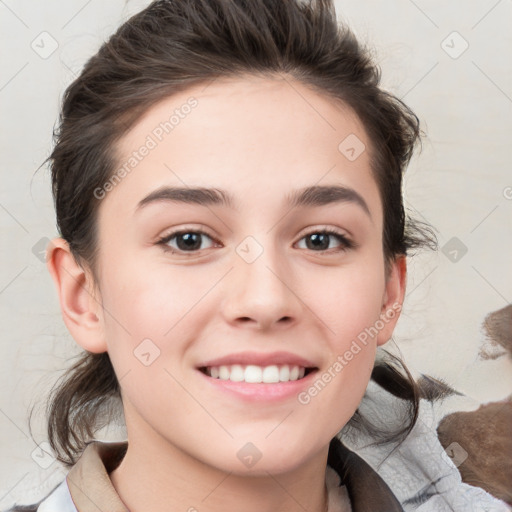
(166, 48)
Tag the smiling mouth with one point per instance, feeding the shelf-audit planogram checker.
(257, 374)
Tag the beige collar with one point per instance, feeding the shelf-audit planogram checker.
(88, 481)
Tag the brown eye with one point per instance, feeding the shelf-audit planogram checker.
(321, 241)
(185, 241)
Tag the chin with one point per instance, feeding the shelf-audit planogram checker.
(261, 458)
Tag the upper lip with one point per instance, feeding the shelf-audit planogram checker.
(260, 359)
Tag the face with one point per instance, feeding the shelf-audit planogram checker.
(256, 273)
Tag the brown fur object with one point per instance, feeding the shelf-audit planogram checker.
(498, 329)
(485, 434)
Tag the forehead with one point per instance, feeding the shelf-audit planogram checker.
(251, 135)
(250, 108)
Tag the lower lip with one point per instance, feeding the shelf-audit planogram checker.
(261, 392)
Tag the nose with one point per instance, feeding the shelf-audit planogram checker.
(261, 294)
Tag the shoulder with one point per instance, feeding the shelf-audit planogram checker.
(420, 472)
(58, 499)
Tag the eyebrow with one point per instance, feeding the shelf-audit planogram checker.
(308, 196)
(323, 195)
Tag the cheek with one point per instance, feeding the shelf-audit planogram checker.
(350, 302)
(152, 300)
(350, 309)
(154, 317)
(147, 327)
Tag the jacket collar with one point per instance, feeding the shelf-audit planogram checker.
(367, 490)
(91, 488)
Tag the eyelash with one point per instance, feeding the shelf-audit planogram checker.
(345, 243)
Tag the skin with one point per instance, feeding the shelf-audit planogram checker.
(259, 139)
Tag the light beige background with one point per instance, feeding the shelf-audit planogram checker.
(461, 183)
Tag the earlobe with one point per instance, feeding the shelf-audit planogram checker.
(79, 301)
(393, 299)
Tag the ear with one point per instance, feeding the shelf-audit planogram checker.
(79, 298)
(393, 298)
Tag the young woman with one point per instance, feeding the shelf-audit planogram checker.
(227, 182)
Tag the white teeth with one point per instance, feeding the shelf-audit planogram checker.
(284, 373)
(237, 373)
(271, 374)
(256, 374)
(253, 374)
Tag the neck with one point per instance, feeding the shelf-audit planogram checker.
(157, 476)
